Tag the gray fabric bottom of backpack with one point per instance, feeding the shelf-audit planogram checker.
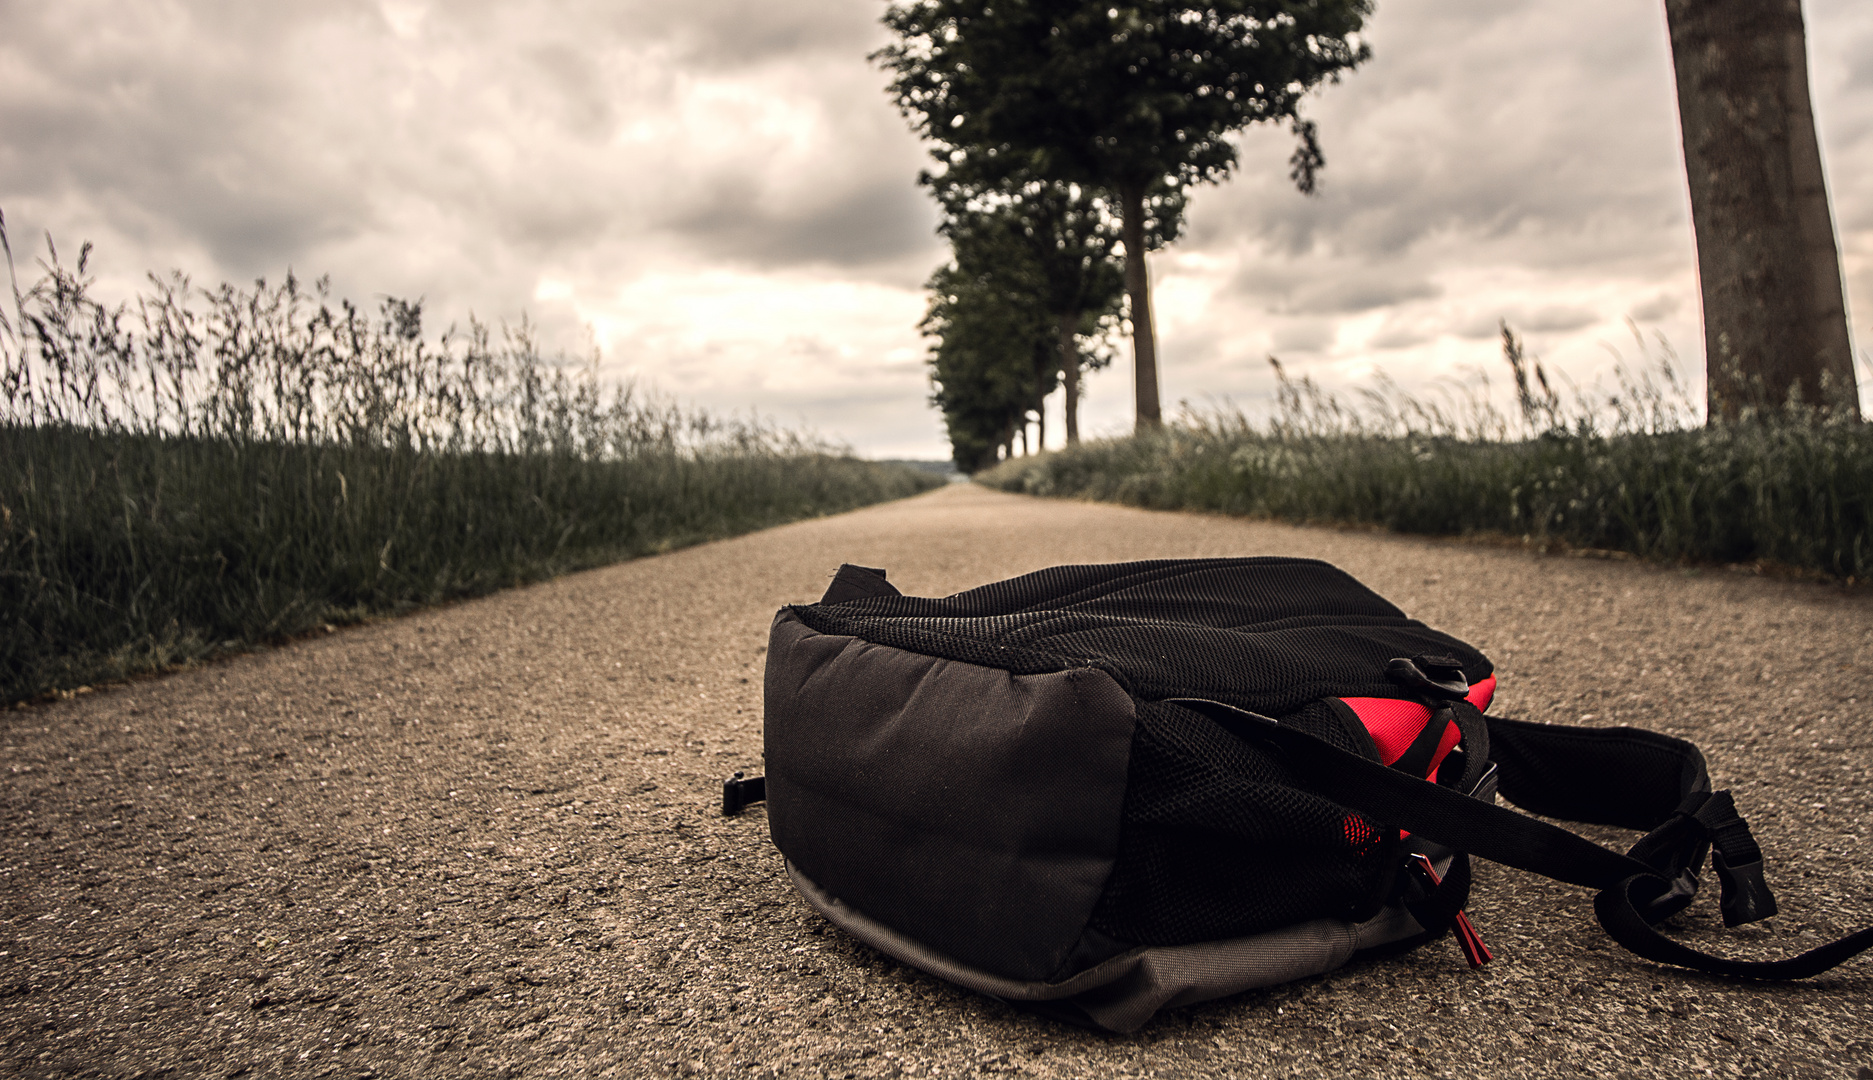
(1123, 993)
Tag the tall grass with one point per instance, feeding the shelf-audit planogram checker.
(199, 470)
(1632, 470)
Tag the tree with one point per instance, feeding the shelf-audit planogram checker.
(1129, 98)
(1057, 239)
(994, 358)
(1775, 322)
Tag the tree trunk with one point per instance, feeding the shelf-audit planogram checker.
(1138, 289)
(1775, 321)
(1043, 372)
(1070, 374)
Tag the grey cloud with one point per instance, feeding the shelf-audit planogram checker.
(1661, 306)
(1331, 287)
(1548, 319)
(1303, 335)
(1556, 319)
(1263, 279)
(247, 235)
(1201, 346)
(875, 223)
(1400, 335)
(155, 136)
(1355, 293)
(1432, 142)
(710, 34)
(216, 127)
(733, 32)
(585, 105)
(1477, 326)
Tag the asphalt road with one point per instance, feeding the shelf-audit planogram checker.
(483, 840)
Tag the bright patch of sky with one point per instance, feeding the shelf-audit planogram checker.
(719, 196)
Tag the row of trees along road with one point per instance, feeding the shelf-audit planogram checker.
(1027, 303)
(1066, 131)
(1032, 276)
(1110, 111)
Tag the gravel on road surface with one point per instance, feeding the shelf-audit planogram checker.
(484, 840)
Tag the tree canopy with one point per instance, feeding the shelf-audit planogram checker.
(1058, 239)
(1116, 95)
(993, 359)
(1131, 98)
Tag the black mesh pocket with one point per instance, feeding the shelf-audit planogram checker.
(1218, 842)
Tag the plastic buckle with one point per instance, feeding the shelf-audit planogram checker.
(1432, 676)
(738, 793)
(1745, 895)
(1672, 900)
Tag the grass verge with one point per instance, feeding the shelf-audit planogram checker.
(206, 470)
(1792, 489)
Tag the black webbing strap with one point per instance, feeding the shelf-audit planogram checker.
(1442, 814)
(1620, 776)
(1618, 910)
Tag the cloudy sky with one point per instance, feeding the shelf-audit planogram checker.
(720, 195)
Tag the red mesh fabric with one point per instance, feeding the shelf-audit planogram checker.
(1394, 724)
(1444, 746)
(1361, 837)
(1482, 692)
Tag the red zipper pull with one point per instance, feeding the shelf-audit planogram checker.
(1468, 939)
(1471, 942)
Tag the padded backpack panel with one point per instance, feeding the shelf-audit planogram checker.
(970, 809)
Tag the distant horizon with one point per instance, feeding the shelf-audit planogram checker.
(723, 201)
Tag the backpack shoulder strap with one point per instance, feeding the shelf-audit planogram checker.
(1627, 777)
(1614, 776)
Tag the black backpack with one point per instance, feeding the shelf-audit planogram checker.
(1098, 791)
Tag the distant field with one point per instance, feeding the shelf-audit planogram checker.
(945, 468)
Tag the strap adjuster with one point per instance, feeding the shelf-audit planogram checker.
(1438, 677)
(738, 793)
